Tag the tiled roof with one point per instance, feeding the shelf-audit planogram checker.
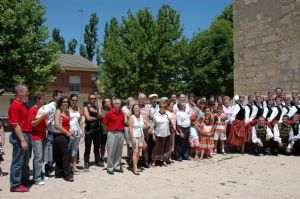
(78, 63)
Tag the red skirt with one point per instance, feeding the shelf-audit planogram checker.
(237, 133)
(248, 130)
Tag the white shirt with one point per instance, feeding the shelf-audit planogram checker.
(161, 125)
(277, 136)
(191, 109)
(183, 119)
(248, 117)
(266, 111)
(193, 133)
(235, 110)
(274, 113)
(292, 111)
(228, 112)
(255, 139)
(285, 111)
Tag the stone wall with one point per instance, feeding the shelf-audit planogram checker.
(266, 45)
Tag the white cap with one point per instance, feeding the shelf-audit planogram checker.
(236, 98)
(152, 95)
(164, 99)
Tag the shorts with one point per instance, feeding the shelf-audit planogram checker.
(194, 143)
(219, 136)
(103, 137)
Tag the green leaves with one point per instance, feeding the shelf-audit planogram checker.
(25, 56)
(143, 53)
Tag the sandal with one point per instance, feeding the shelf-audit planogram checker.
(153, 164)
(165, 164)
(136, 173)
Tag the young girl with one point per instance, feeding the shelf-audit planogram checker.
(194, 138)
(219, 129)
(206, 138)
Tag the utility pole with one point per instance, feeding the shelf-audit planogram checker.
(81, 11)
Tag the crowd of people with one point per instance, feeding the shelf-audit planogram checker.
(155, 133)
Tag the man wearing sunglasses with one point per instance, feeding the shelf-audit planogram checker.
(92, 131)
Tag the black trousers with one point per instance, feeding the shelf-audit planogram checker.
(95, 138)
(181, 150)
(281, 150)
(62, 157)
(267, 145)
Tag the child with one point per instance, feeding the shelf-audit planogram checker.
(206, 139)
(194, 138)
(219, 128)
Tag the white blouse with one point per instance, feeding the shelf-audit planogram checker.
(161, 125)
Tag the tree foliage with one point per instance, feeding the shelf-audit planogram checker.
(82, 51)
(211, 58)
(25, 55)
(59, 40)
(72, 46)
(144, 53)
(90, 37)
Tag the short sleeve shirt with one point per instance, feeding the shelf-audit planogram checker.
(38, 132)
(114, 121)
(18, 114)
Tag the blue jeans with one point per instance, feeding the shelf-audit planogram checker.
(19, 169)
(38, 148)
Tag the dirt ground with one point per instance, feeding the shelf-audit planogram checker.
(231, 176)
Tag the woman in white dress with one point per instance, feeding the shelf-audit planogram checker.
(76, 127)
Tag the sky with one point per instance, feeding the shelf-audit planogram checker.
(66, 15)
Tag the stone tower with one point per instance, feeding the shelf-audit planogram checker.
(266, 45)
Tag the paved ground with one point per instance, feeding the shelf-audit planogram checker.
(231, 176)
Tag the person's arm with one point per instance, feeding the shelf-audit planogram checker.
(80, 122)
(273, 115)
(266, 111)
(105, 121)
(125, 119)
(37, 121)
(292, 111)
(87, 115)
(254, 113)
(247, 114)
(276, 134)
(57, 124)
(18, 131)
(130, 130)
(254, 136)
(269, 133)
(235, 111)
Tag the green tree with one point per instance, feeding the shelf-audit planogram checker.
(82, 51)
(26, 56)
(72, 46)
(90, 36)
(59, 40)
(144, 53)
(210, 59)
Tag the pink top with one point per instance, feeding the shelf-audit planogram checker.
(228, 112)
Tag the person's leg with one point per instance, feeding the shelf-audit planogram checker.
(37, 148)
(111, 147)
(65, 157)
(96, 143)
(57, 156)
(18, 156)
(202, 154)
(135, 157)
(87, 149)
(119, 149)
(27, 155)
(186, 145)
(145, 156)
(178, 147)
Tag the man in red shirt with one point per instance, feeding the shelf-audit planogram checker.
(114, 122)
(19, 123)
(38, 137)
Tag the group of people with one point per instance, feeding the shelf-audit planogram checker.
(155, 132)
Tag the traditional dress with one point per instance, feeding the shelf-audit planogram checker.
(220, 127)
(250, 114)
(259, 134)
(206, 140)
(283, 133)
(275, 116)
(295, 109)
(237, 129)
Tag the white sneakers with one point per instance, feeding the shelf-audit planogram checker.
(41, 183)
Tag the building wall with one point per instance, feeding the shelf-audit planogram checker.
(266, 45)
(62, 81)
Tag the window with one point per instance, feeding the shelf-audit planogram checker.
(74, 84)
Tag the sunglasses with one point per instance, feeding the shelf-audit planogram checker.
(92, 98)
(65, 101)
